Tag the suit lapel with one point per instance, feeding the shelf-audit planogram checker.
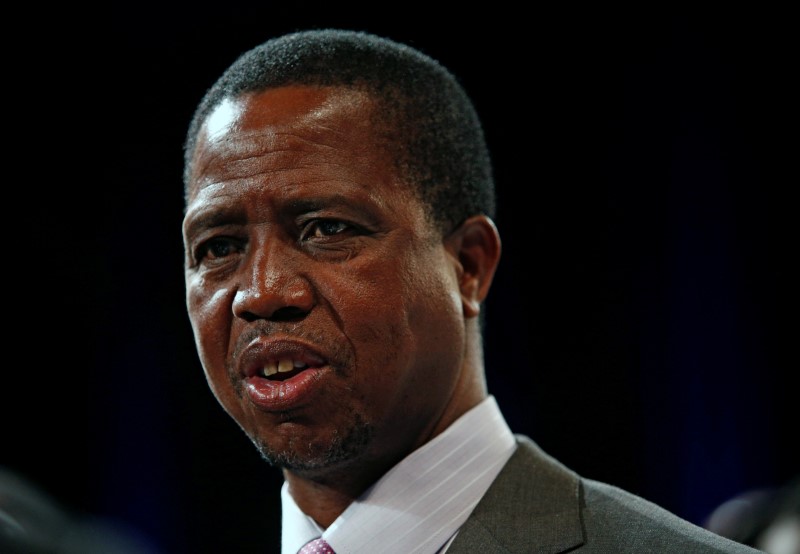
(532, 507)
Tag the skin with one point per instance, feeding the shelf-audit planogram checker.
(301, 242)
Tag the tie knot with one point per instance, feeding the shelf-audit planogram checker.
(317, 546)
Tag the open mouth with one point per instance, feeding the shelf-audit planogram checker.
(282, 375)
(283, 369)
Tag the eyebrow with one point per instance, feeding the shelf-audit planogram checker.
(362, 207)
(208, 219)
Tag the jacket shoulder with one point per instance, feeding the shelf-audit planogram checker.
(617, 520)
(538, 505)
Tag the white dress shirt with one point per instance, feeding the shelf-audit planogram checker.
(418, 506)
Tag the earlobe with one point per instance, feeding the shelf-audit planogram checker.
(476, 246)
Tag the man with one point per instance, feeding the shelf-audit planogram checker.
(339, 245)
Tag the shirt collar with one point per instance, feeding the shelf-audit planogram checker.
(423, 500)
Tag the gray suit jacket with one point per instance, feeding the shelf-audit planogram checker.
(536, 505)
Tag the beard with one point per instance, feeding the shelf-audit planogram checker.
(304, 458)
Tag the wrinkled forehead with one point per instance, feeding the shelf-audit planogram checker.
(280, 118)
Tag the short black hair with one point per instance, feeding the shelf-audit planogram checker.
(437, 139)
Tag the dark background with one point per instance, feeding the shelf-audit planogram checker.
(640, 327)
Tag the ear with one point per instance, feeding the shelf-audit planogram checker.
(476, 246)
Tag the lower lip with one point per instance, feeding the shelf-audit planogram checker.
(284, 395)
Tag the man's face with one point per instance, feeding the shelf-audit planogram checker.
(325, 307)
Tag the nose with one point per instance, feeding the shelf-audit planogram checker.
(272, 288)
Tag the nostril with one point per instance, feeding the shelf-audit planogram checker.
(248, 316)
(288, 313)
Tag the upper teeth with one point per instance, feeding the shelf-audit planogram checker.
(282, 366)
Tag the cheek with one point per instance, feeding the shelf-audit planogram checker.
(373, 298)
(433, 293)
(402, 319)
(210, 313)
(436, 322)
(211, 316)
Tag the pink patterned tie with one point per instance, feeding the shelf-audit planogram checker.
(318, 546)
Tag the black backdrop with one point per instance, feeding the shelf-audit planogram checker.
(640, 324)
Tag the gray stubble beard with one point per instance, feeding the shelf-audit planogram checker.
(307, 459)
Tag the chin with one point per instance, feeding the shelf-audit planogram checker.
(309, 458)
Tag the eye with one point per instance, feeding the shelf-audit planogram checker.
(216, 249)
(325, 228)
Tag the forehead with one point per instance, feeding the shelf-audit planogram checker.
(288, 119)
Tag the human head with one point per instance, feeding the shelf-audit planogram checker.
(337, 230)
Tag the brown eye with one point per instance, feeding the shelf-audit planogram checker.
(322, 228)
(216, 249)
